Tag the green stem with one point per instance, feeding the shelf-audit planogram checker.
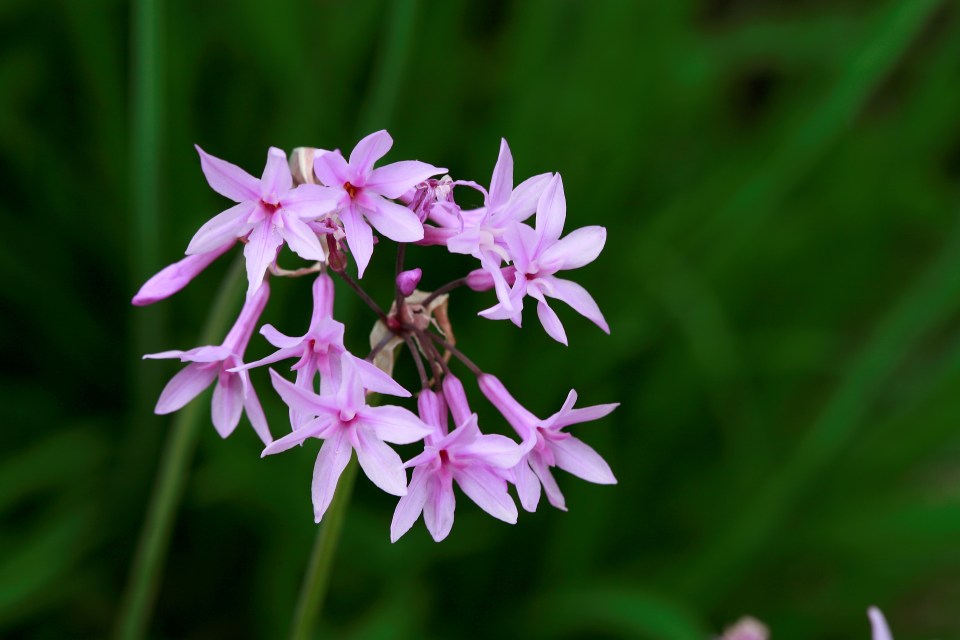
(317, 577)
(148, 562)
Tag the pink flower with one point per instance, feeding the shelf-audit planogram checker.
(474, 460)
(269, 211)
(362, 194)
(539, 254)
(176, 276)
(546, 445)
(346, 423)
(233, 393)
(879, 625)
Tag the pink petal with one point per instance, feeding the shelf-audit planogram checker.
(519, 418)
(528, 486)
(549, 483)
(223, 228)
(316, 428)
(359, 237)
(578, 298)
(578, 248)
(501, 183)
(227, 179)
(439, 507)
(331, 461)
(878, 625)
(276, 356)
(392, 180)
(394, 424)
(584, 414)
(551, 211)
(299, 398)
(251, 404)
(495, 450)
(261, 250)
(302, 239)
(380, 463)
(185, 386)
(176, 276)
(576, 457)
(227, 404)
(392, 220)
(433, 412)
(311, 201)
(488, 491)
(278, 339)
(239, 335)
(332, 170)
(277, 179)
(376, 380)
(551, 323)
(523, 200)
(323, 292)
(411, 505)
(163, 355)
(456, 397)
(368, 151)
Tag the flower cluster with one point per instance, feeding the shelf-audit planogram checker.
(326, 208)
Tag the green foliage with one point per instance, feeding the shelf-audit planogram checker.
(780, 181)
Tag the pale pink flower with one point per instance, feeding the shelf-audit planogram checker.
(346, 423)
(176, 276)
(879, 625)
(233, 393)
(269, 211)
(547, 445)
(538, 254)
(471, 459)
(363, 194)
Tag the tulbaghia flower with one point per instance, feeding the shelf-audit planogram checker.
(471, 459)
(547, 445)
(363, 194)
(269, 211)
(879, 625)
(346, 423)
(538, 254)
(176, 276)
(233, 392)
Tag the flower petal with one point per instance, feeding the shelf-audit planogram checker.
(578, 248)
(528, 486)
(373, 379)
(578, 298)
(393, 180)
(391, 219)
(302, 239)
(550, 487)
(394, 424)
(227, 404)
(331, 461)
(501, 182)
(551, 211)
(359, 237)
(576, 457)
(380, 463)
(299, 398)
(551, 323)
(176, 276)
(516, 414)
(439, 507)
(878, 625)
(279, 340)
(456, 397)
(316, 428)
(223, 228)
(251, 404)
(185, 386)
(332, 170)
(260, 251)
(523, 200)
(311, 201)
(228, 179)
(488, 491)
(277, 179)
(368, 151)
(494, 450)
(411, 505)
(584, 414)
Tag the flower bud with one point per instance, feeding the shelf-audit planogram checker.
(408, 281)
(301, 164)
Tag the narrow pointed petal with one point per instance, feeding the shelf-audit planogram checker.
(410, 506)
(185, 386)
(227, 404)
(164, 355)
(576, 457)
(298, 398)
(369, 150)
(495, 450)
(311, 201)
(277, 179)
(523, 200)
(551, 323)
(323, 293)
(251, 404)
(438, 510)
(373, 379)
(528, 486)
(550, 487)
(302, 239)
(260, 251)
(228, 179)
(584, 414)
(380, 463)
(488, 491)
(578, 248)
(279, 340)
(878, 625)
(393, 180)
(223, 228)
(315, 428)
(579, 300)
(239, 336)
(551, 211)
(456, 397)
(519, 418)
(359, 237)
(331, 461)
(332, 170)
(392, 220)
(395, 424)
(276, 356)
(175, 277)
(501, 182)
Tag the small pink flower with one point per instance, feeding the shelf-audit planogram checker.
(363, 194)
(346, 423)
(175, 277)
(233, 393)
(474, 461)
(269, 211)
(539, 254)
(547, 445)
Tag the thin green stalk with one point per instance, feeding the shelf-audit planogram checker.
(317, 578)
(147, 568)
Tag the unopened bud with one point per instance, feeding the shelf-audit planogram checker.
(336, 258)
(408, 281)
(481, 280)
(301, 164)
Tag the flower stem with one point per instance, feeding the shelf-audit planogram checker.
(147, 567)
(317, 577)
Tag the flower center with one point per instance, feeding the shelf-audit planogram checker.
(350, 189)
(347, 415)
(444, 457)
(269, 206)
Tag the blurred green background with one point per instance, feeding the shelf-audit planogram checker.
(781, 184)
